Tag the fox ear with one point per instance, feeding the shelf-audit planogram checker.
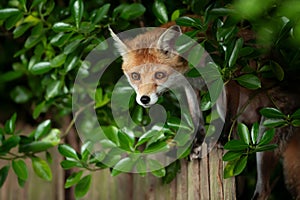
(121, 46)
(166, 41)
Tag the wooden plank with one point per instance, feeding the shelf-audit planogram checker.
(181, 180)
(204, 174)
(193, 180)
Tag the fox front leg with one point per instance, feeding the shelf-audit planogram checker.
(198, 122)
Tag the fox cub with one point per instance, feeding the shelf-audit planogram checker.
(151, 65)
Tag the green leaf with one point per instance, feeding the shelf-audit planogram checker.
(124, 165)
(235, 145)
(60, 39)
(296, 122)
(235, 167)
(175, 15)
(111, 133)
(240, 165)
(267, 147)
(40, 68)
(296, 114)
(35, 147)
(137, 115)
(157, 147)
(73, 179)
(10, 76)
(215, 89)
(77, 11)
(244, 133)
(186, 21)
(13, 20)
(67, 151)
(10, 143)
(41, 168)
(10, 125)
(160, 11)
(62, 27)
(68, 164)
(20, 169)
(254, 132)
(267, 137)
(38, 110)
(277, 70)
(20, 94)
(3, 174)
(53, 89)
(42, 129)
(271, 113)
(272, 123)
(249, 81)
(126, 142)
(235, 52)
(101, 13)
(21, 29)
(232, 155)
(83, 186)
(85, 150)
(7, 12)
(71, 62)
(71, 47)
(132, 11)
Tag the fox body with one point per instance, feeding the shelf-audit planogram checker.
(151, 65)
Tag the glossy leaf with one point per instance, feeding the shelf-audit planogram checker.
(160, 11)
(62, 27)
(267, 137)
(67, 151)
(38, 109)
(132, 11)
(40, 68)
(3, 174)
(277, 70)
(53, 89)
(235, 145)
(10, 143)
(296, 114)
(267, 147)
(42, 129)
(21, 29)
(244, 133)
(232, 155)
(10, 124)
(41, 168)
(254, 132)
(68, 164)
(235, 52)
(20, 169)
(249, 81)
(35, 147)
(124, 165)
(83, 186)
(77, 11)
(271, 113)
(7, 12)
(101, 13)
(272, 123)
(73, 179)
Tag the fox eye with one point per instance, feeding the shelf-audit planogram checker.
(159, 75)
(135, 76)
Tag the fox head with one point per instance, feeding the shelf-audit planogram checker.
(151, 63)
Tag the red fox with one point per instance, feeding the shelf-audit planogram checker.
(150, 62)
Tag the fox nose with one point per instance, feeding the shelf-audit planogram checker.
(145, 99)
